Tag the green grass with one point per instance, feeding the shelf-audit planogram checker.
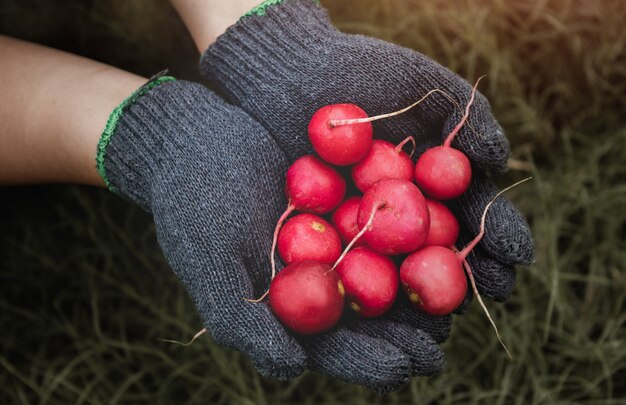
(85, 291)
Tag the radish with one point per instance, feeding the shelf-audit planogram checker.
(340, 146)
(433, 279)
(307, 297)
(433, 276)
(347, 145)
(401, 220)
(308, 237)
(344, 220)
(444, 227)
(443, 172)
(370, 281)
(311, 186)
(384, 160)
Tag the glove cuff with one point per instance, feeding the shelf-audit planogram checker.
(148, 132)
(115, 118)
(270, 43)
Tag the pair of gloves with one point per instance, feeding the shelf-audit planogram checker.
(212, 175)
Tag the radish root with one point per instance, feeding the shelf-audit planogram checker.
(337, 123)
(470, 275)
(367, 227)
(468, 248)
(279, 225)
(196, 336)
(399, 147)
(458, 126)
(468, 270)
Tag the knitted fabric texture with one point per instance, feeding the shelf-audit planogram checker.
(283, 66)
(213, 179)
(113, 120)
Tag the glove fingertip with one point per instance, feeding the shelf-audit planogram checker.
(358, 359)
(437, 327)
(431, 360)
(252, 329)
(281, 368)
(426, 357)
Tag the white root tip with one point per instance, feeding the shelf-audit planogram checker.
(196, 336)
(470, 275)
(337, 123)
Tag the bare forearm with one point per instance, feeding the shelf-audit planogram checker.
(53, 108)
(208, 19)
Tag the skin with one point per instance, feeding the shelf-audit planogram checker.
(344, 220)
(312, 185)
(434, 280)
(208, 19)
(50, 121)
(382, 161)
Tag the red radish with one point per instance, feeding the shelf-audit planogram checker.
(401, 221)
(344, 220)
(314, 186)
(384, 160)
(308, 237)
(444, 228)
(307, 297)
(311, 186)
(370, 281)
(342, 133)
(433, 276)
(342, 145)
(434, 280)
(443, 172)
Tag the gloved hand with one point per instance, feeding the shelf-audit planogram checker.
(284, 60)
(213, 179)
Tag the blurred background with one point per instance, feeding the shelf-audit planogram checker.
(85, 291)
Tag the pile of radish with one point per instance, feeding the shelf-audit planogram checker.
(398, 215)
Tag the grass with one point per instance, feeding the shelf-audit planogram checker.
(85, 291)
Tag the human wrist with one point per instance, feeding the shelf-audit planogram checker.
(52, 109)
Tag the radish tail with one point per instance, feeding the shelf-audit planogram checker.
(196, 336)
(337, 123)
(399, 147)
(456, 129)
(463, 253)
(367, 227)
(279, 225)
(470, 275)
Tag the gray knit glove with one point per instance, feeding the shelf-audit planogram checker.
(213, 179)
(284, 60)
